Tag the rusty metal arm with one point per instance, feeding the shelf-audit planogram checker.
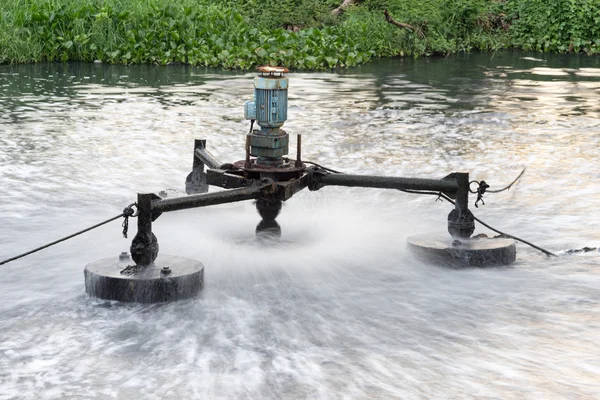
(211, 199)
(206, 157)
(221, 178)
(387, 182)
(144, 246)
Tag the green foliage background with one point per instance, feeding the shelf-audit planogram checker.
(554, 25)
(298, 34)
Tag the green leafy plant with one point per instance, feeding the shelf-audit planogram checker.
(301, 34)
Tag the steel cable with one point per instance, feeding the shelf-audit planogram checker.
(443, 196)
(509, 186)
(127, 212)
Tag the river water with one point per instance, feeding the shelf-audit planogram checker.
(339, 309)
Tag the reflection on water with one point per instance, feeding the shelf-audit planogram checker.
(339, 310)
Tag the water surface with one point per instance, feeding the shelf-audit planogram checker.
(339, 310)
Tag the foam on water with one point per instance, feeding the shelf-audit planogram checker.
(338, 309)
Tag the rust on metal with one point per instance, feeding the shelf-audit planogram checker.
(284, 171)
(226, 179)
(286, 166)
(268, 69)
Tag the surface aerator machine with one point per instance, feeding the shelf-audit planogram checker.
(267, 176)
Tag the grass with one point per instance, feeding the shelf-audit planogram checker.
(241, 34)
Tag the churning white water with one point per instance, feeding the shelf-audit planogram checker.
(339, 309)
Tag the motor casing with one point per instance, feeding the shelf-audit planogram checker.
(269, 110)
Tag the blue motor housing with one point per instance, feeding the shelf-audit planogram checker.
(269, 110)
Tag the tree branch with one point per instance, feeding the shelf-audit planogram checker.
(343, 6)
(392, 21)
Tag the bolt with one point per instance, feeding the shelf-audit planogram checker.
(456, 243)
(165, 270)
(123, 256)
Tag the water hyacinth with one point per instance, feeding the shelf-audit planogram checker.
(163, 33)
(299, 34)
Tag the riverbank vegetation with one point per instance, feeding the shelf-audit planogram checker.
(302, 34)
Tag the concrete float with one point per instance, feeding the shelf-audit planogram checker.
(169, 278)
(463, 252)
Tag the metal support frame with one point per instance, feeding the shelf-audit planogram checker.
(461, 222)
(267, 176)
(196, 180)
(211, 199)
(275, 186)
(205, 156)
(144, 246)
(388, 182)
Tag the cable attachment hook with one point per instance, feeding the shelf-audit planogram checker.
(481, 188)
(128, 212)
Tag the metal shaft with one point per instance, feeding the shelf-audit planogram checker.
(388, 182)
(298, 163)
(247, 165)
(209, 199)
(462, 193)
(207, 158)
(461, 222)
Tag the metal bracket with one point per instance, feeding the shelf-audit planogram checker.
(195, 182)
(144, 246)
(223, 178)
